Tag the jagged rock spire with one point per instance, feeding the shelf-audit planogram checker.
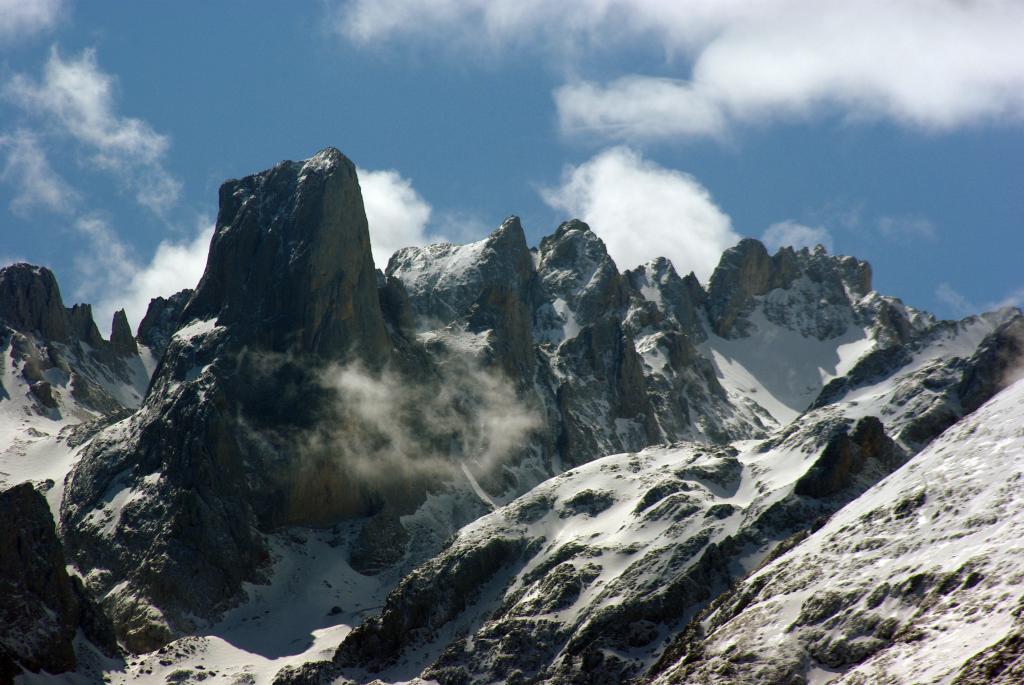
(121, 339)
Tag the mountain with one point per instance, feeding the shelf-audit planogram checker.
(916, 581)
(488, 462)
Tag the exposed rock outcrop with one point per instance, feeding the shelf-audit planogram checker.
(30, 301)
(121, 339)
(60, 351)
(41, 607)
(161, 320)
(229, 444)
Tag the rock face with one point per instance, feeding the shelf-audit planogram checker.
(121, 339)
(290, 268)
(41, 607)
(229, 443)
(30, 301)
(161, 320)
(70, 371)
(609, 559)
(297, 386)
(747, 271)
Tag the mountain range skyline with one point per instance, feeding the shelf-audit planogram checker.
(112, 155)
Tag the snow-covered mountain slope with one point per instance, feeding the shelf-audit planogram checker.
(918, 580)
(591, 572)
(57, 372)
(481, 384)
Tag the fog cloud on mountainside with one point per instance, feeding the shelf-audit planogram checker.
(360, 434)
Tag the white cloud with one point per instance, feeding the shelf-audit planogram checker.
(78, 98)
(907, 228)
(28, 169)
(935, 64)
(174, 265)
(107, 260)
(642, 210)
(796, 235)
(21, 18)
(396, 213)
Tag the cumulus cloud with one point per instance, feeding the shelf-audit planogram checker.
(77, 98)
(396, 213)
(642, 210)
(28, 169)
(21, 18)
(796, 235)
(173, 266)
(935, 64)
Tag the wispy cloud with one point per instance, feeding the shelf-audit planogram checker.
(796, 235)
(931, 64)
(23, 18)
(75, 98)
(953, 299)
(1012, 299)
(907, 228)
(961, 305)
(642, 210)
(28, 169)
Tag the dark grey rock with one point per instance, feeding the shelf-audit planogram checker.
(161, 320)
(121, 339)
(30, 301)
(845, 456)
(232, 411)
(290, 268)
(41, 607)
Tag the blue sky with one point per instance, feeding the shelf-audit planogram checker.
(892, 131)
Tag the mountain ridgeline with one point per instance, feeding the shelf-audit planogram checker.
(552, 470)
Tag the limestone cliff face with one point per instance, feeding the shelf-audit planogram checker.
(30, 301)
(290, 268)
(225, 447)
(121, 339)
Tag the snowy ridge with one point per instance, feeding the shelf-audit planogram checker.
(907, 583)
(655, 517)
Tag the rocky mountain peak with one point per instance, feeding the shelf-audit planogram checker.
(82, 326)
(576, 268)
(161, 320)
(444, 281)
(290, 268)
(30, 301)
(744, 272)
(747, 271)
(658, 283)
(121, 339)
